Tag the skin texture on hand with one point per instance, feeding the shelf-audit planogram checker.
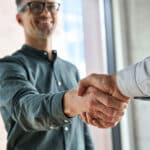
(110, 97)
(103, 82)
(94, 107)
(73, 104)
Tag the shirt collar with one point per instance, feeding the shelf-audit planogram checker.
(38, 52)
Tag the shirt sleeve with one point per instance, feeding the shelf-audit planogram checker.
(135, 80)
(26, 106)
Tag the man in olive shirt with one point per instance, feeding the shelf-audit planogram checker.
(38, 108)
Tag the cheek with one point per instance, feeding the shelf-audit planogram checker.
(29, 21)
(55, 18)
(32, 23)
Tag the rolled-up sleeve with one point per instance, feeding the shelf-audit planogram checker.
(29, 108)
(135, 80)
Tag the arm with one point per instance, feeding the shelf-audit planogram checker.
(130, 82)
(109, 95)
(36, 112)
(26, 106)
(134, 80)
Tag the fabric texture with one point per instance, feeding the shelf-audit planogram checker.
(134, 81)
(31, 92)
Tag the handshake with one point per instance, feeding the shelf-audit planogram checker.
(98, 101)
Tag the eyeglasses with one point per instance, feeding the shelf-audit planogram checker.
(36, 7)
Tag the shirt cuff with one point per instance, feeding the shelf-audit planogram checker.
(126, 80)
(57, 109)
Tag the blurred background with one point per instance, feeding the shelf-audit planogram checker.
(100, 36)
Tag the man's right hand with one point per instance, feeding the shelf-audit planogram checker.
(102, 82)
(101, 109)
(111, 99)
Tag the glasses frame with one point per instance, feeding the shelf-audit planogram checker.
(22, 8)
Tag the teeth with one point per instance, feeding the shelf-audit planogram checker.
(45, 21)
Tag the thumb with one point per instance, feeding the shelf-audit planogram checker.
(90, 80)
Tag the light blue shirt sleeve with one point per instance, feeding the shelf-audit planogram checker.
(134, 81)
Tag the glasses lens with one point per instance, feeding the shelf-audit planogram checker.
(36, 7)
(53, 7)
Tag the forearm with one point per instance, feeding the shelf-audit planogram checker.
(30, 109)
(134, 80)
(39, 111)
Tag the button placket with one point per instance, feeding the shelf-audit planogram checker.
(45, 53)
(66, 121)
(66, 128)
(59, 83)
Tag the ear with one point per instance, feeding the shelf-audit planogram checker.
(19, 19)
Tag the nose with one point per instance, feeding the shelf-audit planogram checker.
(46, 11)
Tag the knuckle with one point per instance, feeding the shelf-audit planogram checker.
(114, 113)
(93, 75)
(107, 100)
(122, 113)
(111, 119)
(92, 90)
(110, 112)
(122, 106)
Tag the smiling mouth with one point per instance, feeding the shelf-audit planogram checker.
(44, 20)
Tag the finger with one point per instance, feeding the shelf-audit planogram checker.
(86, 117)
(102, 124)
(83, 117)
(97, 123)
(91, 90)
(89, 118)
(110, 101)
(92, 105)
(101, 116)
(110, 112)
(91, 80)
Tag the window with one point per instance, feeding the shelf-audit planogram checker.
(71, 43)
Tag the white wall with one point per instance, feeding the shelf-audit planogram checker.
(11, 37)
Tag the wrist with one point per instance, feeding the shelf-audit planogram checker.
(68, 103)
(116, 91)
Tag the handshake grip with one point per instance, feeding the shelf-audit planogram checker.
(107, 104)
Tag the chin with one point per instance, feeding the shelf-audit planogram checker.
(46, 32)
(45, 35)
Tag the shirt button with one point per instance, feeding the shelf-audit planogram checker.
(51, 127)
(66, 129)
(59, 83)
(66, 121)
(45, 53)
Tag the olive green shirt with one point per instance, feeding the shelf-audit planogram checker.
(31, 94)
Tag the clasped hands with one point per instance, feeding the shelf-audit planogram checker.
(98, 101)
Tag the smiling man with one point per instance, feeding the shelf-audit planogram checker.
(34, 86)
(38, 104)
